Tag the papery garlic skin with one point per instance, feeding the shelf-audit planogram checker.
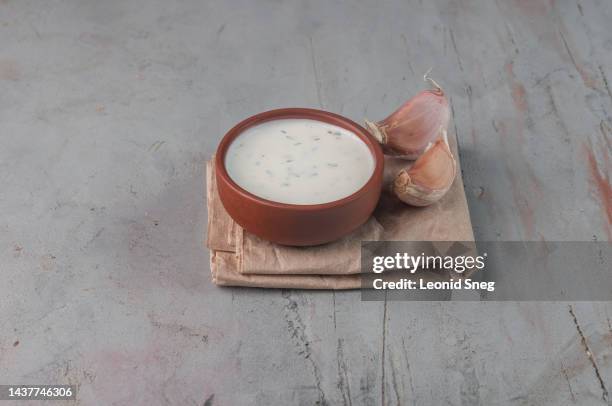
(409, 129)
(430, 177)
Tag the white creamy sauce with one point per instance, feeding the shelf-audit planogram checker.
(299, 161)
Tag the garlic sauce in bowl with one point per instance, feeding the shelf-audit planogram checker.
(299, 161)
(299, 176)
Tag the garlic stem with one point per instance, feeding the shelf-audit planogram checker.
(432, 82)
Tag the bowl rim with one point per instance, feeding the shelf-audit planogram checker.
(304, 113)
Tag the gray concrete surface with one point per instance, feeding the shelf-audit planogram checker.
(108, 110)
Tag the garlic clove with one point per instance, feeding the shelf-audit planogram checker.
(430, 177)
(408, 130)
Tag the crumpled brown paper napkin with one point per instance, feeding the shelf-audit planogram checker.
(239, 258)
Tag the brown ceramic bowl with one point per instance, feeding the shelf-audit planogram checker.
(292, 224)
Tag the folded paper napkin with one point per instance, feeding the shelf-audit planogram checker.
(238, 258)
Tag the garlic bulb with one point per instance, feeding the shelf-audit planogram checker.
(408, 130)
(430, 177)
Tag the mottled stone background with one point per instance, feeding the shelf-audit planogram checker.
(108, 110)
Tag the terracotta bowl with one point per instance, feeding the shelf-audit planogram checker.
(292, 224)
